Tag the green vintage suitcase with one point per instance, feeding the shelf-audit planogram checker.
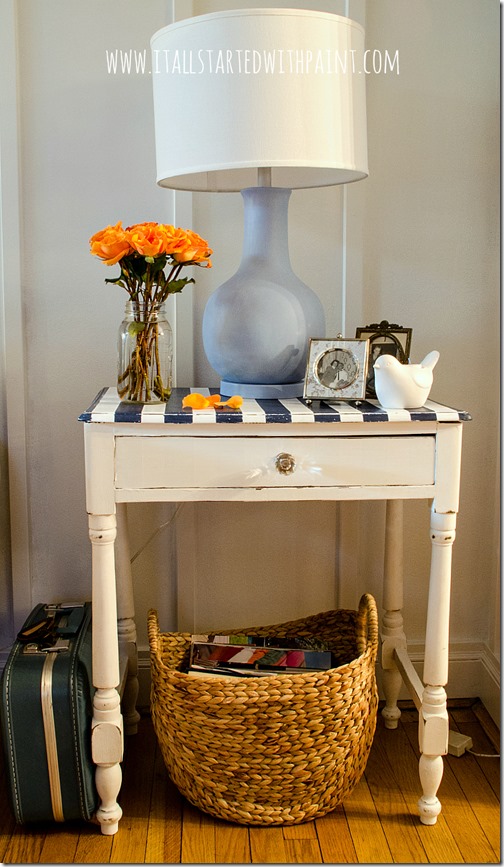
(46, 711)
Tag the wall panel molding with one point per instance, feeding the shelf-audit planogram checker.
(11, 299)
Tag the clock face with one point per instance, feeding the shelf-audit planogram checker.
(337, 368)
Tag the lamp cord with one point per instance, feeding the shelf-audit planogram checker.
(155, 533)
(484, 755)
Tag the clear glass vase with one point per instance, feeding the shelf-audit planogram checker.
(145, 349)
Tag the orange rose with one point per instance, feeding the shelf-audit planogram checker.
(201, 250)
(185, 246)
(110, 244)
(150, 240)
(147, 239)
(175, 240)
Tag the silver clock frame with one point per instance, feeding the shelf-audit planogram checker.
(323, 352)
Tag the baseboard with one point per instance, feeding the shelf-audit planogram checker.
(474, 673)
(490, 684)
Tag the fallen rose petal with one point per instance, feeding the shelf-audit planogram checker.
(233, 402)
(195, 401)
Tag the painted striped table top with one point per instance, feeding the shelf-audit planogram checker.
(108, 407)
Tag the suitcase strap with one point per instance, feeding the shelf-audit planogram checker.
(68, 618)
(50, 737)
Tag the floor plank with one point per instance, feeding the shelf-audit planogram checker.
(305, 831)
(302, 851)
(487, 724)
(164, 832)
(232, 843)
(302, 844)
(135, 798)
(399, 825)
(475, 786)
(93, 847)
(361, 814)
(7, 823)
(25, 846)
(198, 837)
(485, 745)
(437, 840)
(335, 839)
(60, 846)
(268, 846)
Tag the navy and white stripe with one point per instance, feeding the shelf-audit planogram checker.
(107, 407)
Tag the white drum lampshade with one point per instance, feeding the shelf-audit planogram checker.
(260, 101)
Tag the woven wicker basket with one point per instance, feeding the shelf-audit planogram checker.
(269, 750)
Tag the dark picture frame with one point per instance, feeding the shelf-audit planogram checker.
(385, 338)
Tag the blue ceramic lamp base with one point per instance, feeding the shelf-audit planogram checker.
(257, 326)
(260, 390)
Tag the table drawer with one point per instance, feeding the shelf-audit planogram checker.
(271, 462)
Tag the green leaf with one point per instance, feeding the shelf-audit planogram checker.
(136, 264)
(158, 263)
(135, 328)
(177, 285)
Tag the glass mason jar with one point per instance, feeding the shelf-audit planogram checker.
(145, 347)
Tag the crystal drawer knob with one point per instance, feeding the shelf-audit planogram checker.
(285, 463)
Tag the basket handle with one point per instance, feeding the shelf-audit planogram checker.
(153, 630)
(367, 625)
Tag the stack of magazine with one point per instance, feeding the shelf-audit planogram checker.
(231, 656)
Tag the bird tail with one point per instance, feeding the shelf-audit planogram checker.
(431, 359)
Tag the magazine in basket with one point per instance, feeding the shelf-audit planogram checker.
(255, 656)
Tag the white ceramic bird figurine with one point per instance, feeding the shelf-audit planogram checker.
(404, 386)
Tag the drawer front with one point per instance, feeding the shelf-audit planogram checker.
(271, 462)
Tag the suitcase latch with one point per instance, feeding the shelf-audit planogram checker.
(61, 646)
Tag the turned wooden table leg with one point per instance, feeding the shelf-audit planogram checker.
(433, 721)
(107, 727)
(126, 627)
(392, 635)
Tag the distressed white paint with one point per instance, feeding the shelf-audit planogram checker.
(249, 462)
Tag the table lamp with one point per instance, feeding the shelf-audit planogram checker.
(260, 101)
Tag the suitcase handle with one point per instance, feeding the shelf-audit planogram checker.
(63, 619)
(72, 623)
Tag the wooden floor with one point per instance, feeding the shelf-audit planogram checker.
(377, 824)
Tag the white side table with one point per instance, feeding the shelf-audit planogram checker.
(270, 450)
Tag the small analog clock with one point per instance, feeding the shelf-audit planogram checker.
(336, 369)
